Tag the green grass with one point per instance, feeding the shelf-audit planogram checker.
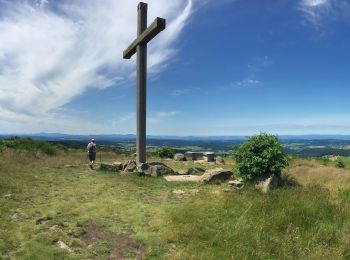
(307, 222)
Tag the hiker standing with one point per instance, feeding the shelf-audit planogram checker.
(91, 149)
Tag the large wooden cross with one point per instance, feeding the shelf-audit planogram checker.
(139, 45)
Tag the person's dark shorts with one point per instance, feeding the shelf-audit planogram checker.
(92, 156)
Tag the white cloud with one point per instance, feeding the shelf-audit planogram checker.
(314, 3)
(256, 66)
(159, 116)
(247, 83)
(177, 92)
(318, 12)
(51, 54)
(167, 114)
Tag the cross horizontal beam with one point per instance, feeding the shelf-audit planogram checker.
(156, 27)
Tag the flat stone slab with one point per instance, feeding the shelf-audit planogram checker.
(183, 178)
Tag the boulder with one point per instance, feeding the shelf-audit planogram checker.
(130, 166)
(216, 175)
(142, 167)
(267, 183)
(114, 167)
(236, 184)
(154, 169)
(158, 170)
(179, 157)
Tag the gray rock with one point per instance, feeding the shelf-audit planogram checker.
(187, 171)
(16, 217)
(142, 167)
(111, 167)
(118, 165)
(158, 170)
(62, 245)
(130, 166)
(235, 184)
(154, 169)
(55, 228)
(216, 175)
(267, 183)
(179, 157)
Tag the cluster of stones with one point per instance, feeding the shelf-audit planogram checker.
(151, 169)
(194, 156)
(155, 169)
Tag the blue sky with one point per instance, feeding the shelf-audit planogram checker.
(229, 67)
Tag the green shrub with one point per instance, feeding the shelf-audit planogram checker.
(165, 152)
(260, 155)
(339, 163)
(48, 149)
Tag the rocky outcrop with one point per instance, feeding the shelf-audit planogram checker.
(154, 169)
(216, 175)
(129, 166)
(267, 183)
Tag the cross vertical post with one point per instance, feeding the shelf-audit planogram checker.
(141, 80)
(139, 46)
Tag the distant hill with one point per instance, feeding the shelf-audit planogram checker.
(121, 137)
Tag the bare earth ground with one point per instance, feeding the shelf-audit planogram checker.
(120, 244)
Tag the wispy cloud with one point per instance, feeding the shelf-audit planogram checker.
(52, 52)
(318, 12)
(246, 83)
(159, 116)
(254, 68)
(177, 92)
(167, 114)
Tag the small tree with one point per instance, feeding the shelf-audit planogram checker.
(165, 152)
(261, 155)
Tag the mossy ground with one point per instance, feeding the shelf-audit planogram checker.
(302, 220)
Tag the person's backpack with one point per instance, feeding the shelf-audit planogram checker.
(91, 148)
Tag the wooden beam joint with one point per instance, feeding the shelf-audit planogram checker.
(156, 27)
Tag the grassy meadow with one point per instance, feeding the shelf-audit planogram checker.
(46, 199)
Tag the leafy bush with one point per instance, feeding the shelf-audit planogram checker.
(165, 152)
(260, 155)
(48, 149)
(339, 163)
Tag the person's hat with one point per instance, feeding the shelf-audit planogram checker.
(92, 140)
